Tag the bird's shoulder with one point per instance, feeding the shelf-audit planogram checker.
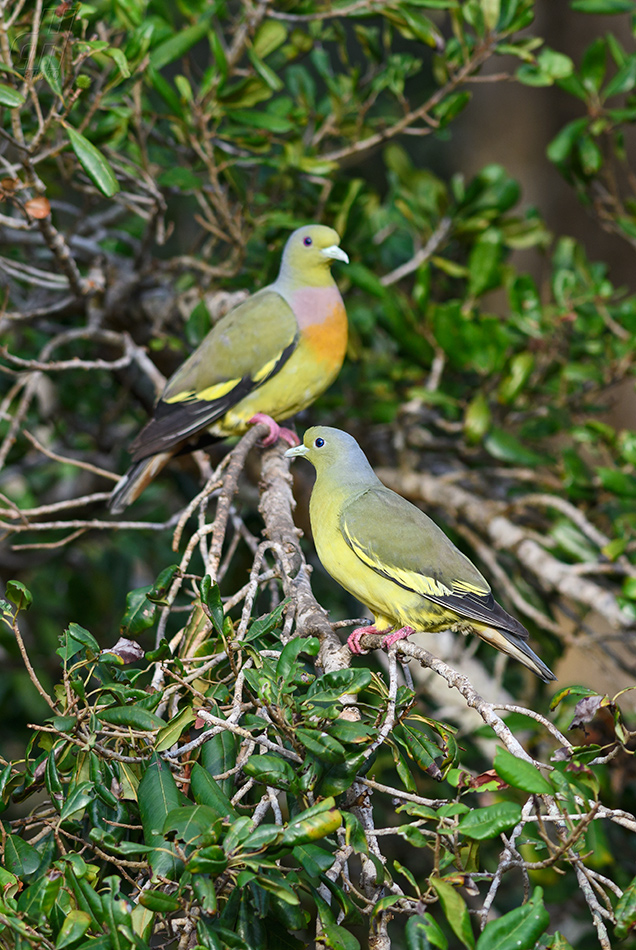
(254, 334)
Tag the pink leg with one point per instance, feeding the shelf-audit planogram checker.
(275, 431)
(400, 634)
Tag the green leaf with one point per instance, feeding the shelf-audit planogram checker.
(338, 938)
(159, 901)
(19, 596)
(75, 805)
(603, 6)
(191, 822)
(76, 639)
(626, 911)
(520, 774)
(207, 791)
(119, 58)
(211, 597)
(50, 66)
(477, 419)
(20, 857)
(177, 45)
(270, 770)
(209, 860)
(158, 592)
(93, 162)
(617, 481)
(140, 613)
(270, 35)
(264, 625)
(519, 929)
(562, 144)
(10, 96)
(171, 731)
(314, 823)
(455, 911)
(287, 665)
(75, 925)
(488, 822)
(423, 933)
(158, 795)
(134, 716)
(507, 448)
(321, 744)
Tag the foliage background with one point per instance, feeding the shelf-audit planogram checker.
(154, 156)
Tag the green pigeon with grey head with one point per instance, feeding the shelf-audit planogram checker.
(395, 559)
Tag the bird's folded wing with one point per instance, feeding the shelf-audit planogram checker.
(238, 355)
(399, 542)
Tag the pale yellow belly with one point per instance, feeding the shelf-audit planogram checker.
(390, 604)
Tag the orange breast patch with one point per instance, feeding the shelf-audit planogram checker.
(327, 340)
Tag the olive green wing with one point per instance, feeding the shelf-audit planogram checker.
(399, 542)
(240, 353)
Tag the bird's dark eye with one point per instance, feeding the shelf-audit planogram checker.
(319, 443)
(307, 242)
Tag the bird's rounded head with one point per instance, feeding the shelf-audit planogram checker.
(328, 448)
(310, 251)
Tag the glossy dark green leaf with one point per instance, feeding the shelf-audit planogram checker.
(75, 925)
(519, 929)
(18, 594)
(424, 933)
(20, 857)
(209, 860)
(134, 716)
(264, 625)
(10, 97)
(321, 744)
(178, 45)
(93, 162)
(455, 911)
(50, 66)
(488, 822)
(157, 593)
(520, 774)
(270, 770)
(626, 911)
(207, 791)
(211, 596)
(158, 795)
(140, 613)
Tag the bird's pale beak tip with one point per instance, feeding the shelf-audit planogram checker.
(336, 253)
(295, 451)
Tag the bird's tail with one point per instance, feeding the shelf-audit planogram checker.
(516, 647)
(137, 478)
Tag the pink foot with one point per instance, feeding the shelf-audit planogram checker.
(288, 436)
(353, 640)
(275, 431)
